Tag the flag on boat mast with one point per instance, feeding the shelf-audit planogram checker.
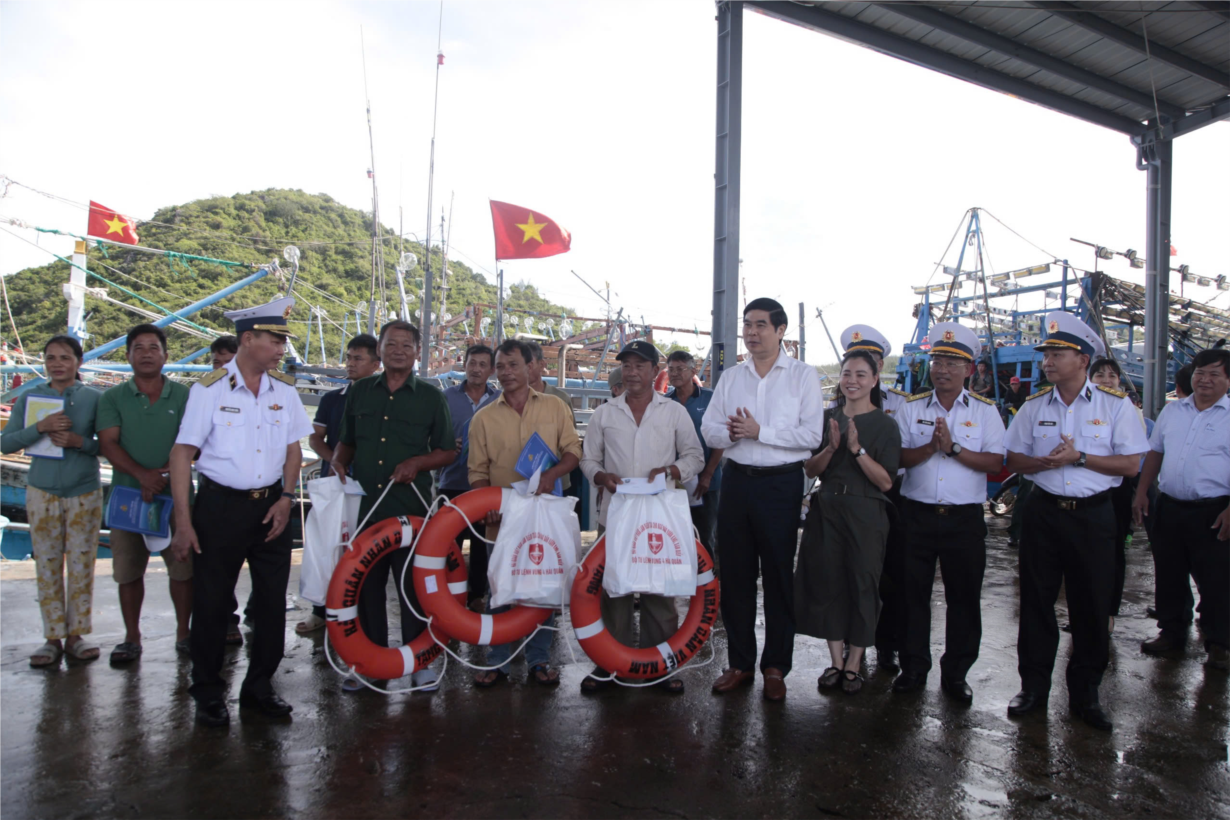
(108, 224)
(521, 233)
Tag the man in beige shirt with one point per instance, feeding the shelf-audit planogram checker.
(498, 434)
(640, 434)
(538, 369)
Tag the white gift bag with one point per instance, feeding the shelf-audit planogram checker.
(650, 545)
(538, 545)
(328, 529)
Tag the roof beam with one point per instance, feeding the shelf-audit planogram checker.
(1092, 22)
(818, 19)
(1051, 64)
(1214, 113)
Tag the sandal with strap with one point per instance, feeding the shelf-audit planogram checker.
(852, 683)
(310, 624)
(540, 673)
(595, 681)
(126, 652)
(673, 686)
(830, 679)
(481, 681)
(46, 655)
(82, 650)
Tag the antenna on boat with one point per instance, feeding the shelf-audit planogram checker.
(425, 324)
(377, 240)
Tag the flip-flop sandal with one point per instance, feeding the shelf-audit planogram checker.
(545, 669)
(830, 679)
(595, 681)
(184, 646)
(126, 652)
(310, 624)
(234, 637)
(46, 655)
(672, 686)
(82, 651)
(500, 677)
(853, 683)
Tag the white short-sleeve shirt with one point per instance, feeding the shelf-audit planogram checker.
(975, 425)
(1195, 448)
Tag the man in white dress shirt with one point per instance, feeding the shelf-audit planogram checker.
(950, 439)
(1077, 441)
(639, 434)
(767, 414)
(1190, 452)
(246, 419)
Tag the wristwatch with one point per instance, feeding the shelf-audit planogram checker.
(955, 451)
(861, 452)
(291, 496)
(1080, 461)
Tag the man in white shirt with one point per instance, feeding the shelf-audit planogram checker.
(767, 414)
(1077, 441)
(639, 434)
(950, 439)
(1190, 452)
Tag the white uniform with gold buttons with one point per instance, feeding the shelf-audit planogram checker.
(975, 425)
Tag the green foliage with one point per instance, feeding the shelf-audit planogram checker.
(336, 246)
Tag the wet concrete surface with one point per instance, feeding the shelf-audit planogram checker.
(89, 740)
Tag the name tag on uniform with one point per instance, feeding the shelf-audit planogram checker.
(927, 422)
(229, 409)
(1047, 423)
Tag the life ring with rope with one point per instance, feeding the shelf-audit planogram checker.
(430, 581)
(342, 602)
(625, 661)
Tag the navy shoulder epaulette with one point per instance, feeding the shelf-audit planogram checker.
(1042, 392)
(982, 399)
(1119, 394)
(284, 378)
(918, 396)
(211, 378)
(901, 393)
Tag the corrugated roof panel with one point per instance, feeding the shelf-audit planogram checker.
(1211, 48)
(1167, 82)
(954, 45)
(1008, 22)
(1195, 92)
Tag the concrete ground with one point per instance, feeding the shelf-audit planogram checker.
(88, 740)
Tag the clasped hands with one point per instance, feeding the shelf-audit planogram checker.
(59, 428)
(1065, 453)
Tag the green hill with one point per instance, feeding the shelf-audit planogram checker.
(334, 240)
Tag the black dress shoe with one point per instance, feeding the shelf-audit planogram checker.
(1026, 702)
(909, 682)
(1094, 715)
(957, 690)
(886, 658)
(269, 704)
(213, 713)
(1150, 612)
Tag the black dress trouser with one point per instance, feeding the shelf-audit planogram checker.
(229, 528)
(957, 539)
(890, 628)
(1185, 544)
(758, 522)
(1075, 549)
(373, 599)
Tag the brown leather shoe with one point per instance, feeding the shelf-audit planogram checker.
(1164, 642)
(774, 685)
(732, 679)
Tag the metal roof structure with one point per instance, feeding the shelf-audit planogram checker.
(1152, 70)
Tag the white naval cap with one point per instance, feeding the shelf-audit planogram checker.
(865, 337)
(953, 339)
(270, 317)
(1065, 332)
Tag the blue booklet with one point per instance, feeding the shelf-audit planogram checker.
(537, 454)
(126, 510)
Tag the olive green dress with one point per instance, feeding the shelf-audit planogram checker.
(837, 580)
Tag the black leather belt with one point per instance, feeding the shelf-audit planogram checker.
(777, 469)
(1066, 503)
(1199, 503)
(945, 509)
(208, 483)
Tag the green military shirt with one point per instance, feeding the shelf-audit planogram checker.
(147, 431)
(387, 428)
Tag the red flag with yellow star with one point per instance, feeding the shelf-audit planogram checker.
(107, 224)
(524, 234)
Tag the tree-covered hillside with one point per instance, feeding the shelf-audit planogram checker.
(335, 268)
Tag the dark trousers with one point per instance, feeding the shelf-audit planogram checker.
(478, 552)
(704, 518)
(230, 531)
(890, 628)
(1121, 497)
(957, 539)
(1074, 548)
(759, 524)
(1185, 544)
(373, 609)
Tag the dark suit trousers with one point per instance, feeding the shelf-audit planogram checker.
(1185, 544)
(373, 608)
(759, 524)
(890, 628)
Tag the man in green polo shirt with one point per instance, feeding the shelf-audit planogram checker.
(137, 422)
(396, 429)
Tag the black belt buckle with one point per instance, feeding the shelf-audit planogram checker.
(940, 509)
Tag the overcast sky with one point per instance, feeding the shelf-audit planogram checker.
(857, 168)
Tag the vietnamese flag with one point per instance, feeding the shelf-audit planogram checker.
(524, 234)
(114, 227)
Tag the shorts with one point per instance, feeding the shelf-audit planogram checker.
(130, 558)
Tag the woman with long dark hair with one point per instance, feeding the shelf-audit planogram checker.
(837, 581)
(64, 501)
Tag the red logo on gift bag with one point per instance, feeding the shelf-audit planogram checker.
(655, 542)
(536, 553)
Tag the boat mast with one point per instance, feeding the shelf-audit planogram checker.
(425, 323)
(377, 240)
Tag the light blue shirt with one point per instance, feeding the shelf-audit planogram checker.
(1195, 448)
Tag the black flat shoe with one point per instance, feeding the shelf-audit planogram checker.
(1094, 716)
(909, 682)
(213, 713)
(269, 704)
(1026, 702)
(958, 690)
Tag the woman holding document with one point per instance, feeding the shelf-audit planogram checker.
(54, 424)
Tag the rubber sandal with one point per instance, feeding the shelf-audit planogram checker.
(126, 652)
(310, 624)
(852, 683)
(352, 684)
(82, 651)
(672, 686)
(500, 677)
(545, 669)
(831, 678)
(233, 636)
(46, 655)
(184, 646)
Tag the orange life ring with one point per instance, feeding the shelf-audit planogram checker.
(625, 661)
(661, 381)
(342, 603)
(430, 560)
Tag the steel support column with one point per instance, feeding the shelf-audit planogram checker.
(726, 191)
(1155, 156)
